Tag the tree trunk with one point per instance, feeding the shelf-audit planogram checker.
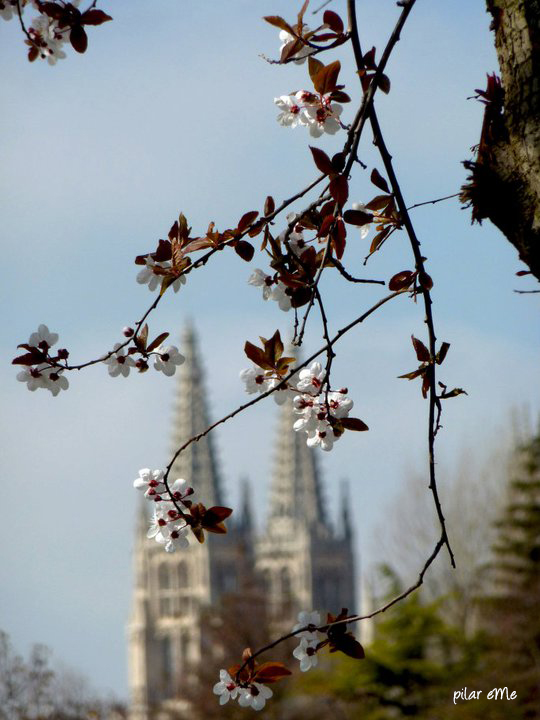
(505, 182)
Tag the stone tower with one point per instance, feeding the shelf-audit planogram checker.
(303, 563)
(299, 563)
(173, 590)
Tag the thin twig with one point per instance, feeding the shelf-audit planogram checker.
(432, 202)
(353, 618)
(434, 402)
(339, 267)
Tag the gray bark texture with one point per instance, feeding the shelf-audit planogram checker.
(504, 185)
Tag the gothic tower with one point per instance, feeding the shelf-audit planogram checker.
(303, 563)
(173, 590)
(299, 563)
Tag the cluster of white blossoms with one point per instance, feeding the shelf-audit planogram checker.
(48, 38)
(166, 360)
(316, 112)
(168, 527)
(317, 409)
(149, 276)
(306, 652)
(254, 695)
(43, 375)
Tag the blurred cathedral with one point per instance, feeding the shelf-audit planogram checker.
(299, 562)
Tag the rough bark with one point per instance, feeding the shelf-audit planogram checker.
(504, 185)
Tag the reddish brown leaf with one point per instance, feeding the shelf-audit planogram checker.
(348, 645)
(422, 353)
(369, 59)
(340, 96)
(354, 424)
(401, 280)
(141, 338)
(439, 359)
(326, 79)
(414, 374)
(384, 83)
(357, 217)
(269, 205)
(339, 189)
(379, 202)
(273, 347)
(452, 393)
(157, 342)
(95, 17)
(325, 226)
(339, 235)
(290, 49)
(322, 161)
(279, 22)
(34, 357)
(271, 672)
(425, 281)
(333, 21)
(378, 180)
(256, 355)
(246, 220)
(78, 38)
(314, 67)
(244, 249)
(425, 385)
(379, 238)
(338, 161)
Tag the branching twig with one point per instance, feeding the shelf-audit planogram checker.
(354, 618)
(432, 202)
(434, 402)
(265, 394)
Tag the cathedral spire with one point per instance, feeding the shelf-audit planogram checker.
(197, 463)
(295, 485)
(344, 522)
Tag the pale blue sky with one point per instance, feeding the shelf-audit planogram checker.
(172, 109)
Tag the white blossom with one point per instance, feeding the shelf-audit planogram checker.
(292, 114)
(306, 654)
(54, 381)
(323, 436)
(260, 279)
(364, 229)
(167, 359)
(255, 696)
(296, 236)
(311, 379)
(300, 55)
(177, 539)
(226, 688)
(151, 481)
(48, 38)
(323, 118)
(255, 380)
(147, 276)
(119, 362)
(281, 296)
(304, 619)
(339, 404)
(33, 377)
(43, 335)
